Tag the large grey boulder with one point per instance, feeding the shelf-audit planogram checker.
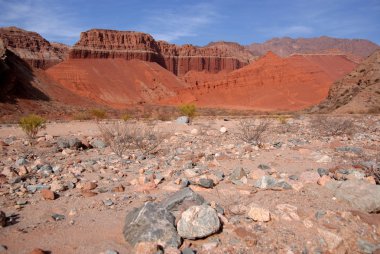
(151, 223)
(360, 194)
(198, 222)
(183, 198)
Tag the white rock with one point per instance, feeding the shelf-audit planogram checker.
(194, 131)
(258, 213)
(223, 130)
(324, 159)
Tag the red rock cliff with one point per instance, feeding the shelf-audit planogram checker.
(32, 47)
(98, 43)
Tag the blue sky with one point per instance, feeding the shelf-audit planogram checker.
(197, 22)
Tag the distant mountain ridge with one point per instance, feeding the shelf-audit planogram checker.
(287, 46)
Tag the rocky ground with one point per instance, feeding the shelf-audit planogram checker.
(204, 190)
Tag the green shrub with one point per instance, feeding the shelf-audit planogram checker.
(32, 124)
(188, 110)
(98, 113)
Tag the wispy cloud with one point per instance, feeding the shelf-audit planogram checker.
(49, 18)
(297, 30)
(173, 24)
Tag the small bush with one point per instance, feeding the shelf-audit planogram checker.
(282, 119)
(252, 133)
(188, 110)
(117, 135)
(98, 113)
(122, 136)
(82, 116)
(125, 117)
(32, 124)
(329, 126)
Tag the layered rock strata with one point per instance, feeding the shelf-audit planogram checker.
(179, 60)
(32, 47)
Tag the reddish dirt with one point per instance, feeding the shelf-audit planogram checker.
(271, 83)
(116, 82)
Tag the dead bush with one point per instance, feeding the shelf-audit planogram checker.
(332, 126)
(117, 135)
(123, 136)
(251, 132)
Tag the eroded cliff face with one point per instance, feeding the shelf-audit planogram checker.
(32, 47)
(179, 60)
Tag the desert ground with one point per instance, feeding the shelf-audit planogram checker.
(308, 184)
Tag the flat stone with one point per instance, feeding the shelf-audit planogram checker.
(323, 171)
(206, 183)
(360, 194)
(258, 213)
(257, 174)
(287, 212)
(309, 177)
(198, 222)
(58, 217)
(151, 223)
(36, 187)
(332, 240)
(263, 166)
(97, 143)
(324, 159)
(89, 186)
(265, 182)
(237, 174)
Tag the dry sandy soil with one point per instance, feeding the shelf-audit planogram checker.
(307, 215)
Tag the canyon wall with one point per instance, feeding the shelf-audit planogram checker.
(99, 43)
(32, 47)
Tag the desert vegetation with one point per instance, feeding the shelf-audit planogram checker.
(32, 124)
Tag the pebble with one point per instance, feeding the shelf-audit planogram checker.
(89, 186)
(58, 217)
(108, 202)
(47, 194)
(206, 183)
(223, 130)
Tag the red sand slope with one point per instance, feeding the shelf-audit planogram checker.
(271, 83)
(116, 82)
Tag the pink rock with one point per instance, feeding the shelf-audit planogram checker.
(309, 177)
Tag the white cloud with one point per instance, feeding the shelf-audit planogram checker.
(45, 17)
(173, 24)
